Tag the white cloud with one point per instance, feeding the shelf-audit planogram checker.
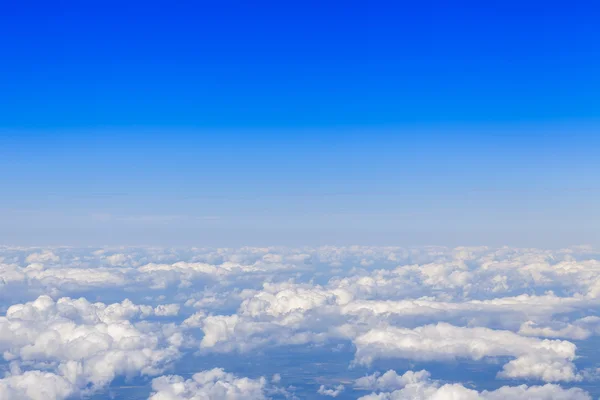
(390, 380)
(117, 259)
(418, 386)
(296, 314)
(331, 392)
(579, 329)
(166, 310)
(36, 385)
(85, 343)
(570, 331)
(45, 256)
(548, 360)
(214, 384)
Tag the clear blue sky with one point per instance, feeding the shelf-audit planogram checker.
(229, 123)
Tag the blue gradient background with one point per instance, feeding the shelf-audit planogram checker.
(232, 123)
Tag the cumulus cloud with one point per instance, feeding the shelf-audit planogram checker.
(579, 329)
(213, 384)
(46, 256)
(296, 314)
(419, 386)
(390, 380)
(331, 392)
(36, 385)
(548, 360)
(83, 344)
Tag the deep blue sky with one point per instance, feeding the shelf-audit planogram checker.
(299, 122)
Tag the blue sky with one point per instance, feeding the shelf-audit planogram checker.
(304, 123)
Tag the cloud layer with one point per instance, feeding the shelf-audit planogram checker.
(74, 320)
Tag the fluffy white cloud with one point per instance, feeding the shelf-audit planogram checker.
(214, 384)
(84, 343)
(331, 392)
(46, 256)
(548, 360)
(418, 386)
(580, 329)
(390, 380)
(166, 310)
(36, 385)
(296, 314)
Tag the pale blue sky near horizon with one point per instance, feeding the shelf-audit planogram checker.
(403, 186)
